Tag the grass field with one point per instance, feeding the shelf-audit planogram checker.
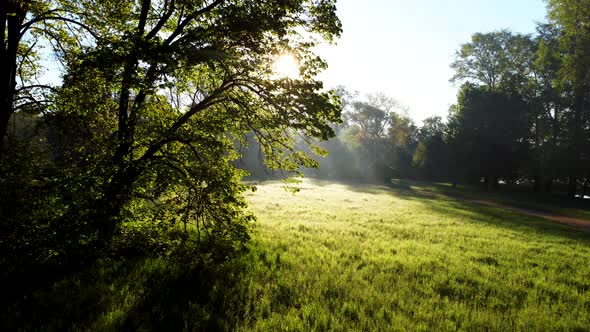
(362, 257)
(347, 257)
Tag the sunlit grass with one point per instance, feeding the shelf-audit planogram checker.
(360, 257)
(343, 257)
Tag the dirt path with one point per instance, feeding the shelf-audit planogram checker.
(582, 224)
(576, 222)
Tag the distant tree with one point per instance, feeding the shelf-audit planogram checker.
(369, 125)
(431, 126)
(372, 120)
(498, 69)
(546, 109)
(386, 103)
(487, 129)
(431, 155)
(365, 147)
(494, 59)
(402, 137)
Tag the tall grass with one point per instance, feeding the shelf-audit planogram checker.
(343, 257)
(360, 257)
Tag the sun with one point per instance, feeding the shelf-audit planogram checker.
(286, 66)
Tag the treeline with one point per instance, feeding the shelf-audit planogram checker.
(522, 115)
(523, 107)
(375, 141)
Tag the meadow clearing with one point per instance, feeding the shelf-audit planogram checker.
(345, 257)
(366, 257)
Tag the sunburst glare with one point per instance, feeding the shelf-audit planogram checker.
(286, 66)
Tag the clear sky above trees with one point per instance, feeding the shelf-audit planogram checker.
(404, 48)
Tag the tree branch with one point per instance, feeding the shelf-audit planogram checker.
(36, 86)
(162, 20)
(191, 17)
(204, 104)
(145, 9)
(28, 25)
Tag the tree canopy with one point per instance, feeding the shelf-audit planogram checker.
(156, 98)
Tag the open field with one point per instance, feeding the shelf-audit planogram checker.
(346, 257)
(375, 258)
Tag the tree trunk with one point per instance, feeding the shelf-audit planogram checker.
(108, 210)
(573, 186)
(490, 182)
(5, 112)
(548, 184)
(11, 18)
(537, 180)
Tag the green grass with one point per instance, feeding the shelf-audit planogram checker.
(344, 257)
(361, 257)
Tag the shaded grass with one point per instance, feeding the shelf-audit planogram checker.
(342, 257)
(189, 290)
(513, 195)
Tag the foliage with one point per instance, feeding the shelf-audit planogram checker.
(494, 59)
(141, 136)
(487, 130)
(432, 152)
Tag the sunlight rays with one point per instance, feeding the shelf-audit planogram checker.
(286, 66)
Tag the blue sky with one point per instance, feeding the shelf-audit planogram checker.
(404, 47)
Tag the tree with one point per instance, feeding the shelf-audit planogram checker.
(498, 69)
(158, 96)
(487, 130)
(571, 18)
(546, 108)
(13, 56)
(372, 124)
(372, 120)
(403, 140)
(494, 59)
(375, 115)
(369, 125)
(431, 153)
(26, 27)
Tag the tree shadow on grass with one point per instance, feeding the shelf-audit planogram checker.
(439, 201)
(505, 218)
(399, 187)
(497, 216)
(191, 291)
